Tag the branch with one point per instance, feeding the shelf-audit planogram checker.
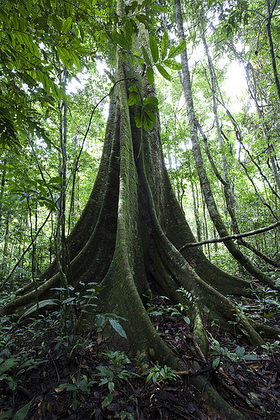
(236, 236)
(90, 120)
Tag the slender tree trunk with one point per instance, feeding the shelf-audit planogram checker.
(271, 46)
(230, 199)
(4, 267)
(195, 208)
(2, 189)
(206, 228)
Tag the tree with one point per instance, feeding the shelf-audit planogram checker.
(130, 232)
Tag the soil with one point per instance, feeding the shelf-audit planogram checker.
(45, 367)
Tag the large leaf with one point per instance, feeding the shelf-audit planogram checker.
(151, 100)
(118, 328)
(22, 413)
(138, 117)
(150, 75)
(42, 304)
(67, 25)
(172, 64)
(64, 57)
(133, 98)
(164, 46)
(142, 18)
(163, 72)
(120, 40)
(177, 50)
(154, 48)
(145, 55)
(7, 414)
(159, 8)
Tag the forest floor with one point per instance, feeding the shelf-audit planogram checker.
(49, 374)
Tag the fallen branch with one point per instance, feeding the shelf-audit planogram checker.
(236, 236)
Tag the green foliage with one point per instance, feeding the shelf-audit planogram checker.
(219, 353)
(113, 319)
(15, 361)
(159, 374)
(154, 48)
(82, 384)
(41, 304)
(111, 376)
(32, 34)
(271, 348)
(19, 415)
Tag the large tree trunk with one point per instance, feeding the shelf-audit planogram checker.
(127, 240)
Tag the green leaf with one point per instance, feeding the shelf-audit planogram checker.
(99, 320)
(138, 117)
(163, 72)
(150, 75)
(133, 98)
(67, 25)
(177, 50)
(128, 29)
(7, 414)
(63, 55)
(216, 363)
(75, 60)
(28, 6)
(146, 123)
(120, 40)
(145, 55)
(159, 8)
(151, 100)
(107, 400)
(172, 64)
(42, 304)
(240, 351)
(111, 386)
(7, 364)
(142, 18)
(68, 300)
(154, 48)
(133, 89)
(118, 328)
(149, 115)
(251, 357)
(55, 180)
(164, 45)
(22, 412)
